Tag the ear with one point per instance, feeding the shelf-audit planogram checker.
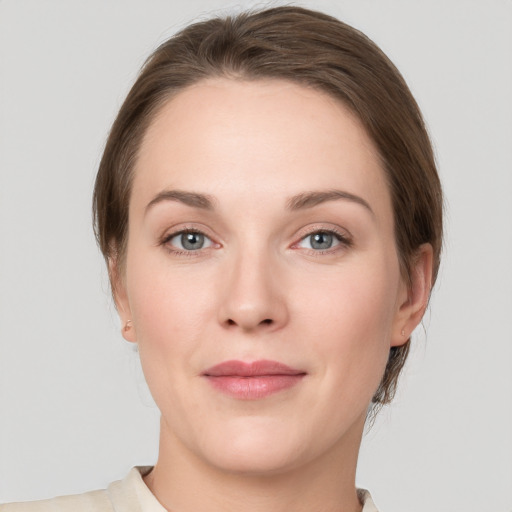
(121, 300)
(414, 296)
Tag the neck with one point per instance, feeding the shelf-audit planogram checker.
(183, 482)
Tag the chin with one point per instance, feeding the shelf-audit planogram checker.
(254, 459)
(257, 447)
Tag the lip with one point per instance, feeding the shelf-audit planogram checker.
(254, 380)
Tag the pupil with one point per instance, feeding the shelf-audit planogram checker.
(192, 241)
(321, 241)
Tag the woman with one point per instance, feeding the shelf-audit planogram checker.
(270, 213)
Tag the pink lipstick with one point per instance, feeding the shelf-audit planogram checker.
(252, 381)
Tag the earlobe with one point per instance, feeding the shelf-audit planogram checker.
(121, 301)
(413, 307)
(128, 331)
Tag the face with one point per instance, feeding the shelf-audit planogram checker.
(261, 273)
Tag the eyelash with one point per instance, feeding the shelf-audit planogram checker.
(344, 241)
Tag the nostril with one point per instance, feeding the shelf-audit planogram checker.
(248, 324)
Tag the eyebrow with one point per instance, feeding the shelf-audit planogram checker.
(193, 199)
(314, 198)
(300, 201)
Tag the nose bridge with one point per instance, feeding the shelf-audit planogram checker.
(252, 295)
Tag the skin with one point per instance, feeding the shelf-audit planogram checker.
(260, 289)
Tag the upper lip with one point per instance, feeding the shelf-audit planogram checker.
(262, 367)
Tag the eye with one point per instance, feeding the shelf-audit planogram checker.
(189, 241)
(322, 240)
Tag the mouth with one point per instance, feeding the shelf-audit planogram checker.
(252, 381)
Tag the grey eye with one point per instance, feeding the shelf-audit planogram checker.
(321, 240)
(190, 241)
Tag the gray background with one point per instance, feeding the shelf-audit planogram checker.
(75, 412)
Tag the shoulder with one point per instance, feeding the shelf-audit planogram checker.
(129, 495)
(97, 501)
(366, 500)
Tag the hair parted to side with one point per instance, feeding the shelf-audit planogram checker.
(305, 47)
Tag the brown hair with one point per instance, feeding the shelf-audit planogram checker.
(309, 48)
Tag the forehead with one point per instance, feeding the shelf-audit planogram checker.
(251, 138)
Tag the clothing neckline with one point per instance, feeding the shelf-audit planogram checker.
(133, 487)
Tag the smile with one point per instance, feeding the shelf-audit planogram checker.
(252, 381)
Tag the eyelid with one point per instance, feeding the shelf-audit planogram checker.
(172, 234)
(186, 227)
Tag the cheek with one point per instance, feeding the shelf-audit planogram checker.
(171, 314)
(353, 301)
(170, 311)
(349, 319)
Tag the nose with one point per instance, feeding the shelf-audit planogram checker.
(253, 295)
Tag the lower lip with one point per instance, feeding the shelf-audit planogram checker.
(253, 388)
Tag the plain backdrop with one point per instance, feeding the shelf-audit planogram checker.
(75, 413)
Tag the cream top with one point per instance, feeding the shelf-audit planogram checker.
(127, 495)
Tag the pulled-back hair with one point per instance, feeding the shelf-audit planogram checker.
(308, 48)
